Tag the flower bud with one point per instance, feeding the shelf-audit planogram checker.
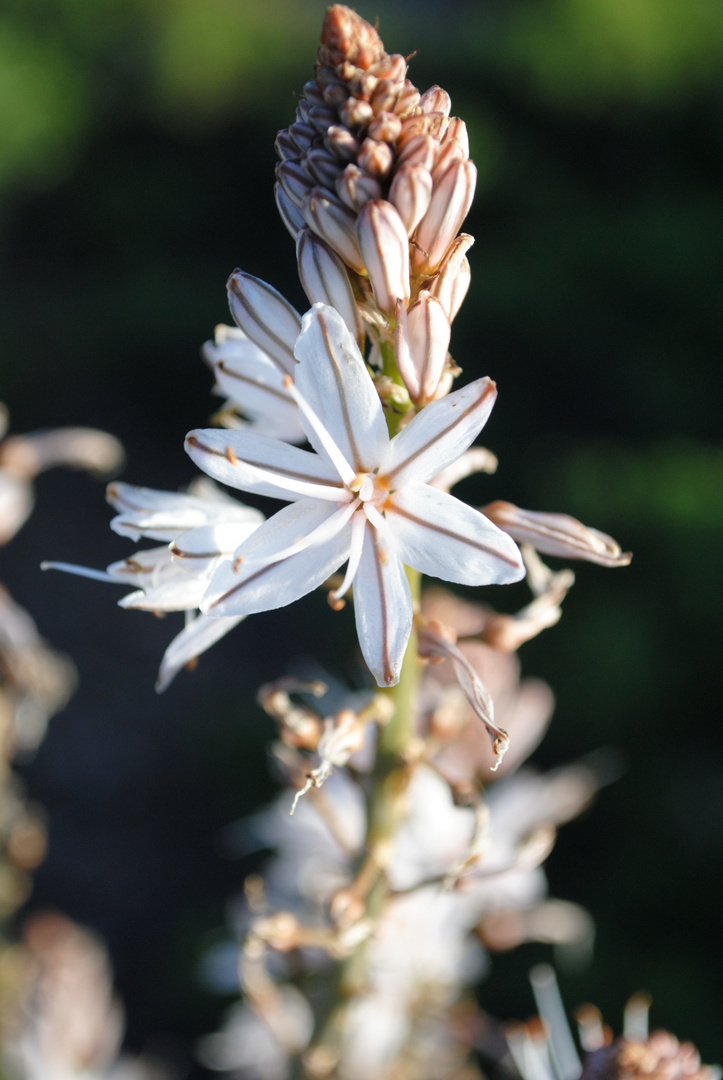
(303, 135)
(410, 192)
(291, 216)
(386, 127)
(451, 282)
(294, 180)
(450, 152)
(556, 534)
(375, 158)
(323, 166)
(355, 112)
(265, 317)
(421, 340)
(312, 92)
(321, 117)
(325, 280)
(420, 149)
(285, 146)
(340, 141)
(451, 199)
(385, 250)
(435, 100)
(457, 129)
(335, 224)
(356, 187)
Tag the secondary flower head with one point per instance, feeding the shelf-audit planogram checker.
(361, 498)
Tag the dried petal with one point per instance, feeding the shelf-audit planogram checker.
(557, 534)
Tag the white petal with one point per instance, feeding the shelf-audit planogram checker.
(179, 593)
(382, 607)
(445, 538)
(266, 466)
(440, 433)
(256, 388)
(265, 316)
(161, 515)
(200, 634)
(196, 550)
(333, 378)
(251, 588)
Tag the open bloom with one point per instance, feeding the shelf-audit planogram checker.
(197, 530)
(362, 498)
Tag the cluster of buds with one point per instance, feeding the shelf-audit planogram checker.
(374, 184)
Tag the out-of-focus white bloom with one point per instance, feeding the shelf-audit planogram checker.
(259, 1044)
(200, 530)
(69, 1023)
(36, 680)
(22, 457)
(362, 497)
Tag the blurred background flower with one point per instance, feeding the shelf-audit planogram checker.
(136, 171)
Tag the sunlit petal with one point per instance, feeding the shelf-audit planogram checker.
(382, 607)
(266, 466)
(440, 433)
(445, 538)
(244, 586)
(334, 380)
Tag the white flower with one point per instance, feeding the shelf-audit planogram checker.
(200, 530)
(253, 385)
(362, 498)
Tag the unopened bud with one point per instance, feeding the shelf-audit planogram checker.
(451, 282)
(325, 280)
(451, 200)
(410, 193)
(421, 149)
(303, 135)
(384, 246)
(291, 216)
(265, 317)
(285, 146)
(355, 112)
(435, 100)
(451, 152)
(340, 141)
(375, 158)
(312, 92)
(556, 534)
(294, 180)
(323, 166)
(335, 224)
(321, 117)
(356, 187)
(386, 127)
(422, 339)
(390, 67)
(457, 129)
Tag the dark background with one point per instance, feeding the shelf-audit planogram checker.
(136, 171)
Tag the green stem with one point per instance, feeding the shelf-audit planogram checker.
(387, 801)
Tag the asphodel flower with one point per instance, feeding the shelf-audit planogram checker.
(198, 530)
(362, 498)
